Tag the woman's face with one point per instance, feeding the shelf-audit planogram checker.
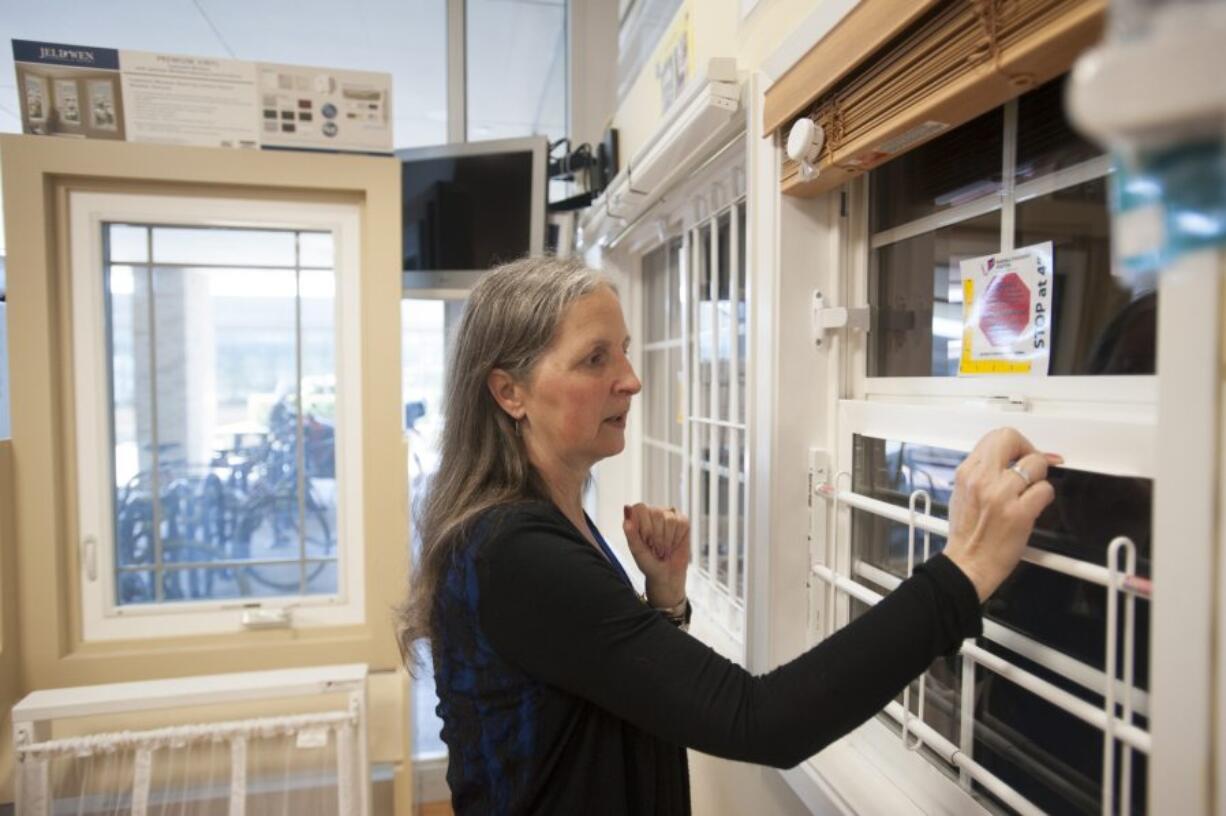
(576, 401)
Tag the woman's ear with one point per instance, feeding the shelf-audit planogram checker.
(506, 393)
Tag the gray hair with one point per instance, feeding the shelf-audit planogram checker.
(510, 320)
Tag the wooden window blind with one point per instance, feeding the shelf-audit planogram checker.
(955, 61)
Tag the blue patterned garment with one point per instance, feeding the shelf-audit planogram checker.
(524, 741)
(488, 707)
(562, 693)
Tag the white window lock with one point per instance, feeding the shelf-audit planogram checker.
(824, 318)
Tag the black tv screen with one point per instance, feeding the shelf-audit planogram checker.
(466, 212)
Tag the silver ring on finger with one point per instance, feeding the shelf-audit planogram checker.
(1021, 474)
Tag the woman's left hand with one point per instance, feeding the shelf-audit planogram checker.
(659, 539)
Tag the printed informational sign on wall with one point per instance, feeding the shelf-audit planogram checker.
(188, 100)
(312, 107)
(674, 59)
(137, 96)
(1006, 312)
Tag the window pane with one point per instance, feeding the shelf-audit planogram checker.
(517, 65)
(675, 484)
(316, 249)
(659, 459)
(236, 247)
(1101, 326)
(656, 392)
(223, 487)
(721, 563)
(128, 300)
(1090, 510)
(1047, 755)
(1045, 141)
(318, 430)
(718, 511)
(127, 242)
(741, 314)
(674, 288)
(699, 514)
(655, 287)
(676, 388)
(724, 318)
(705, 324)
(927, 180)
(915, 289)
(1043, 752)
(743, 497)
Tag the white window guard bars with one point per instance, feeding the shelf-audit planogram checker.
(129, 779)
(1123, 695)
(177, 735)
(34, 782)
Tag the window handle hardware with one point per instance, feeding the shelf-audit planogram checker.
(824, 318)
(272, 618)
(89, 557)
(1005, 403)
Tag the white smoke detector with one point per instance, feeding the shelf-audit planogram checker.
(805, 142)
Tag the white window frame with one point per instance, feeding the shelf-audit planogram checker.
(1105, 424)
(101, 618)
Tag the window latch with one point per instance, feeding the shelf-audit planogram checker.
(89, 557)
(266, 618)
(825, 318)
(1007, 403)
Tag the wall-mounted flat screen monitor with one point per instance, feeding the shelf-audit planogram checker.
(469, 207)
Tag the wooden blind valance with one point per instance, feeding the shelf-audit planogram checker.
(953, 61)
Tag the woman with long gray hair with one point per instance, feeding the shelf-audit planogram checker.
(560, 689)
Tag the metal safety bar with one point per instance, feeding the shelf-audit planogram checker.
(1083, 570)
(1109, 733)
(965, 764)
(1125, 732)
(1051, 659)
(1115, 580)
(923, 678)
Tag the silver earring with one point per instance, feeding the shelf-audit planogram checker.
(517, 429)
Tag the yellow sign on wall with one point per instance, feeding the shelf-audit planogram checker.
(674, 59)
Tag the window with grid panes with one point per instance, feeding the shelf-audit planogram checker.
(1019, 720)
(216, 467)
(216, 473)
(695, 443)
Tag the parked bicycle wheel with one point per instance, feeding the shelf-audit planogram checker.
(269, 536)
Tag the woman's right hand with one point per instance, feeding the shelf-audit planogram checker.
(994, 508)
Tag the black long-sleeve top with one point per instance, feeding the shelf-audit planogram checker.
(561, 693)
